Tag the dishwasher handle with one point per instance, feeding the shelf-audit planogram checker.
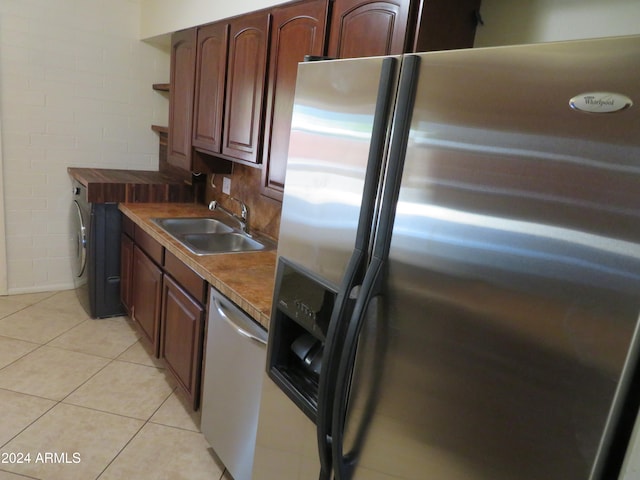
(240, 323)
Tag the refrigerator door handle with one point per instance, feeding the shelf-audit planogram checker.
(369, 304)
(377, 150)
(357, 264)
(326, 386)
(344, 465)
(407, 88)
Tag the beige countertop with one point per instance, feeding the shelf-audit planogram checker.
(247, 279)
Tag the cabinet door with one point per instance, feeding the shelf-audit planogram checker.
(445, 25)
(365, 28)
(182, 337)
(246, 75)
(126, 270)
(183, 68)
(147, 296)
(297, 30)
(211, 69)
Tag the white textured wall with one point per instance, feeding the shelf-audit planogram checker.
(509, 22)
(75, 90)
(160, 17)
(3, 250)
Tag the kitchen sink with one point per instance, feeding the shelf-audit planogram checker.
(209, 236)
(221, 243)
(182, 226)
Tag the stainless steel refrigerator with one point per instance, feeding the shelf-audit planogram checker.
(458, 285)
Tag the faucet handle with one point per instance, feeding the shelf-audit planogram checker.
(242, 219)
(244, 211)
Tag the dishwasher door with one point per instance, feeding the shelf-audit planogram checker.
(233, 373)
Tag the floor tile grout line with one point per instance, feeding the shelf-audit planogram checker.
(28, 306)
(17, 311)
(109, 361)
(65, 402)
(121, 450)
(21, 475)
(174, 391)
(28, 394)
(66, 331)
(34, 420)
(39, 343)
(66, 349)
(79, 351)
(87, 379)
(58, 401)
(62, 401)
(146, 422)
(97, 410)
(39, 346)
(8, 337)
(33, 305)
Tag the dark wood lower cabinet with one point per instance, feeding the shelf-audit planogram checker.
(166, 299)
(146, 296)
(182, 325)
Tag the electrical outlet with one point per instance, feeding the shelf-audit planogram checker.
(226, 185)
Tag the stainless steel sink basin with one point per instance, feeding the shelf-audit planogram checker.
(221, 243)
(182, 226)
(208, 236)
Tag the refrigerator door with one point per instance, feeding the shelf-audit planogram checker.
(505, 340)
(329, 146)
(336, 154)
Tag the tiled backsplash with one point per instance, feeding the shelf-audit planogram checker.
(264, 213)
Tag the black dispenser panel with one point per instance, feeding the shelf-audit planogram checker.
(299, 322)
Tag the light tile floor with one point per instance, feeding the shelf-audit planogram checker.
(83, 399)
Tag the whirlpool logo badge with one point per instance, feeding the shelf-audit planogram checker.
(600, 102)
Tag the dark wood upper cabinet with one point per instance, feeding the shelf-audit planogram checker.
(365, 28)
(445, 25)
(233, 81)
(211, 69)
(183, 68)
(246, 78)
(297, 30)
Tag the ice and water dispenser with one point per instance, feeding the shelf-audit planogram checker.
(299, 323)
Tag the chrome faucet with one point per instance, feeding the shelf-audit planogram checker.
(242, 219)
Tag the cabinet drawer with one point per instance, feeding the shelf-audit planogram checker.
(128, 226)
(150, 246)
(187, 278)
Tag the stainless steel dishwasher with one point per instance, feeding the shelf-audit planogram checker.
(233, 373)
